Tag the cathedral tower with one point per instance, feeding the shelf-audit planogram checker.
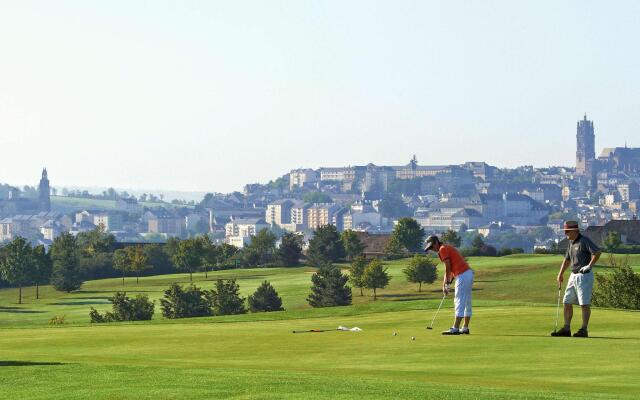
(585, 152)
(44, 198)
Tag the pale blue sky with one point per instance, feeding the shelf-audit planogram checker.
(212, 95)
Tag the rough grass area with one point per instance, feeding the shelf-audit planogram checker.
(509, 354)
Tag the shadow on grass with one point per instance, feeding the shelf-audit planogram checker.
(16, 310)
(572, 338)
(79, 303)
(92, 298)
(26, 363)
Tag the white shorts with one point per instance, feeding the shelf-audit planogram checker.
(579, 288)
(462, 299)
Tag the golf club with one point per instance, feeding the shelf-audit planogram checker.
(434, 317)
(340, 328)
(558, 307)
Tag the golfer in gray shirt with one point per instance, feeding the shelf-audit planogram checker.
(581, 256)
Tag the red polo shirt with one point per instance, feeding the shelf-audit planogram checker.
(458, 264)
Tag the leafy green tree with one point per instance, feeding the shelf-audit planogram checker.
(188, 256)
(209, 253)
(375, 277)
(225, 298)
(477, 243)
(394, 250)
(121, 262)
(265, 298)
(66, 275)
(409, 234)
(356, 273)
(226, 253)
(316, 197)
(421, 270)
(451, 237)
(95, 241)
(325, 246)
(158, 258)
(353, 247)
(41, 268)
(138, 260)
(612, 242)
(329, 288)
(179, 302)
(261, 249)
(290, 250)
(18, 264)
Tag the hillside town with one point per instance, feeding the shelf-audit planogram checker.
(522, 207)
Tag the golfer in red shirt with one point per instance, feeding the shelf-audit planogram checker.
(455, 267)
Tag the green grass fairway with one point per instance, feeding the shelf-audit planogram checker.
(509, 354)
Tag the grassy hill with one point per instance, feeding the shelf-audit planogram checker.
(508, 356)
(70, 204)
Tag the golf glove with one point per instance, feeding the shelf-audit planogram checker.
(447, 288)
(585, 269)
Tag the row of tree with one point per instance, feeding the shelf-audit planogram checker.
(191, 301)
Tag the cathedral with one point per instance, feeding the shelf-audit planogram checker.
(615, 161)
(14, 204)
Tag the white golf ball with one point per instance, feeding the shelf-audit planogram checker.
(413, 338)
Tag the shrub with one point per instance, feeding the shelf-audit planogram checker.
(57, 320)
(184, 303)
(265, 298)
(620, 288)
(225, 298)
(125, 308)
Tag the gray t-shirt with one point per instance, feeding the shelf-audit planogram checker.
(580, 251)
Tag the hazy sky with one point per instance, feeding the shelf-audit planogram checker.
(211, 95)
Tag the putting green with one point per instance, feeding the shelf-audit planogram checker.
(509, 354)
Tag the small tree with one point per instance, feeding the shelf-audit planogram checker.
(121, 262)
(137, 260)
(376, 277)
(225, 298)
(394, 250)
(409, 234)
(265, 298)
(17, 265)
(611, 242)
(356, 272)
(290, 250)
(325, 246)
(261, 249)
(66, 275)
(41, 267)
(421, 270)
(352, 245)
(188, 256)
(451, 237)
(329, 288)
(209, 253)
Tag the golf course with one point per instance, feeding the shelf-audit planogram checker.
(508, 355)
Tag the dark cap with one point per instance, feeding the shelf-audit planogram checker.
(431, 240)
(571, 226)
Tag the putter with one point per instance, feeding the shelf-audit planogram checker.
(340, 328)
(558, 307)
(434, 317)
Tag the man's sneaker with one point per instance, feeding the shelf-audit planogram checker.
(562, 332)
(464, 331)
(581, 333)
(451, 331)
